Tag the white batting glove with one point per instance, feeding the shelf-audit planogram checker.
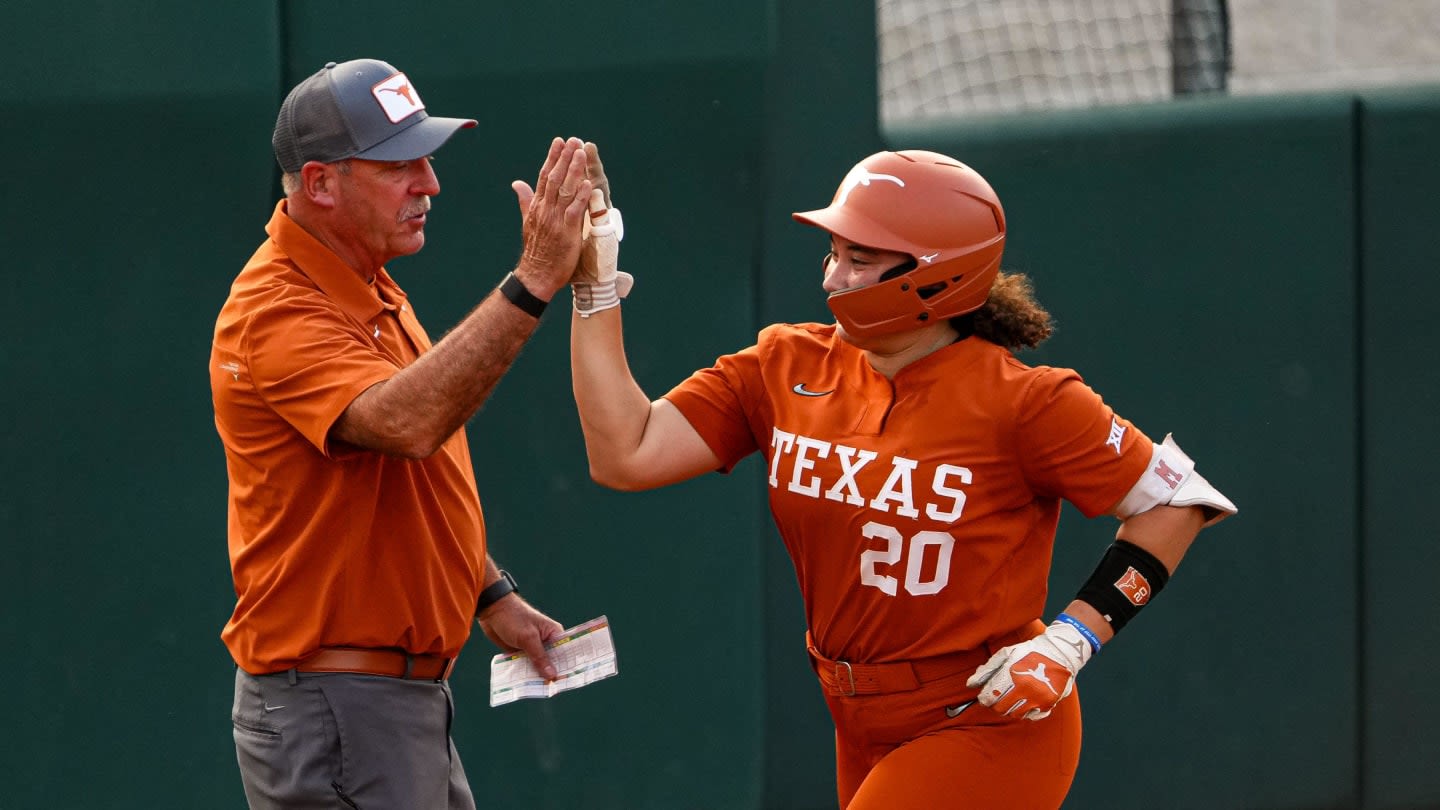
(598, 284)
(1028, 679)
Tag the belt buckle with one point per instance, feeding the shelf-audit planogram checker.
(849, 675)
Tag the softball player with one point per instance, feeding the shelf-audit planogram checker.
(916, 470)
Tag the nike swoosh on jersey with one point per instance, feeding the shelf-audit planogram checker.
(805, 392)
(954, 711)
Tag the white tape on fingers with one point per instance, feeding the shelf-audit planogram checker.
(604, 219)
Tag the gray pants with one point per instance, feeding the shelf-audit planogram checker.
(346, 741)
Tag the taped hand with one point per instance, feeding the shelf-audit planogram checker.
(1028, 679)
(598, 283)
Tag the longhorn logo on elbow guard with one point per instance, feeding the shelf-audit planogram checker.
(1135, 587)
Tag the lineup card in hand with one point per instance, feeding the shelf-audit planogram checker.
(582, 655)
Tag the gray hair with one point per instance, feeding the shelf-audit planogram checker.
(290, 181)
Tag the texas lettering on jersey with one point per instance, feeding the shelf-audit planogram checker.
(919, 512)
(793, 466)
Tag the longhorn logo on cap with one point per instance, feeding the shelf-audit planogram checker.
(398, 98)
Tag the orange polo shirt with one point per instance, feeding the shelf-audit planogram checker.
(920, 513)
(331, 545)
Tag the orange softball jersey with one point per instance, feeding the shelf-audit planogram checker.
(920, 512)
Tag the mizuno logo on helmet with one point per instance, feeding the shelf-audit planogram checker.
(929, 257)
(859, 176)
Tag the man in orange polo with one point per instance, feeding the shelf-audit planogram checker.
(356, 537)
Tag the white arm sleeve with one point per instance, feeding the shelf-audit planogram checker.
(1171, 479)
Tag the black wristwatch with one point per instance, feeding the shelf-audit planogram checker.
(518, 294)
(499, 589)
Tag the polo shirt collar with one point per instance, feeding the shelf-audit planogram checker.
(331, 274)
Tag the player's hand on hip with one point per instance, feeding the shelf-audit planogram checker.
(1028, 679)
(514, 624)
(553, 215)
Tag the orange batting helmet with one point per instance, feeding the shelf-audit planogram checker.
(934, 208)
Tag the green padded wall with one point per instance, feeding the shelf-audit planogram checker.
(134, 193)
(1400, 334)
(1199, 260)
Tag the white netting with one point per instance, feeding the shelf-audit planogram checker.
(953, 57)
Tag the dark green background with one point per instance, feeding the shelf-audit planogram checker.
(1255, 275)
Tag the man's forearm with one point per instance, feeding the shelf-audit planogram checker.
(422, 406)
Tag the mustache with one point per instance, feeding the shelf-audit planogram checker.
(416, 210)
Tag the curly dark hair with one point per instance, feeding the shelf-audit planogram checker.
(1010, 317)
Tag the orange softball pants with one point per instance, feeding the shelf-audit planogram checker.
(901, 750)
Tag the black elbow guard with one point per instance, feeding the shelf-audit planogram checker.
(1126, 579)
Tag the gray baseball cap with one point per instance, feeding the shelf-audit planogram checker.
(363, 108)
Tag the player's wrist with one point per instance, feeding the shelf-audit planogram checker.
(1082, 629)
(593, 297)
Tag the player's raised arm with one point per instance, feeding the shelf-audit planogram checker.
(632, 443)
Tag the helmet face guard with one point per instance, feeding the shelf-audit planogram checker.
(932, 207)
